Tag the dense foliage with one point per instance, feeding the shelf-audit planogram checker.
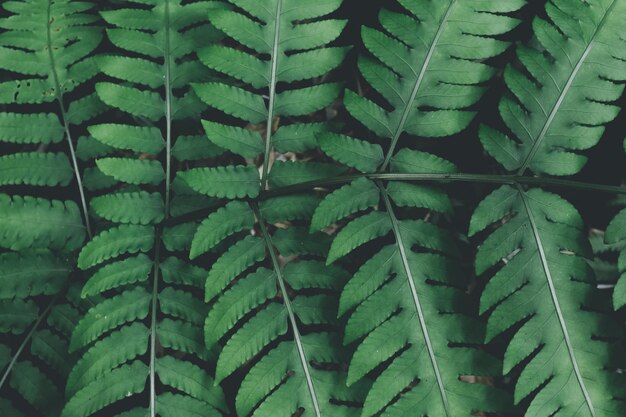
(331, 208)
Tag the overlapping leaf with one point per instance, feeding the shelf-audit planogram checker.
(273, 310)
(144, 339)
(45, 54)
(543, 288)
(289, 39)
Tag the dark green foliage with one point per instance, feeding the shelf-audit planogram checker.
(293, 36)
(548, 287)
(145, 334)
(46, 48)
(284, 315)
(330, 208)
(563, 99)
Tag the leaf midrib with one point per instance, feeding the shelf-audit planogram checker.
(415, 296)
(66, 126)
(418, 83)
(563, 94)
(292, 318)
(25, 341)
(272, 96)
(555, 301)
(168, 173)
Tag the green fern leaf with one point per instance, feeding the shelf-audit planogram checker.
(138, 103)
(190, 379)
(407, 284)
(349, 199)
(25, 275)
(47, 63)
(182, 305)
(30, 128)
(239, 300)
(288, 45)
(224, 182)
(32, 168)
(252, 321)
(546, 286)
(564, 104)
(17, 315)
(109, 314)
(183, 337)
(289, 173)
(132, 171)
(112, 387)
(22, 227)
(358, 154)
(288, 207)
(614, 234)
(194, 148)
(114, 242)
(118, 274)
(107, 354)
(239, 257)
(134, 208)
(173, 405)
(134, 138)
(232, 218)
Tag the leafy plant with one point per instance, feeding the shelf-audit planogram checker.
(48, 52)
(336, 208)
(144, 336)
(293, 38)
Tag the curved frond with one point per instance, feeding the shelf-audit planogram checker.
(563, 97)
(427, 70)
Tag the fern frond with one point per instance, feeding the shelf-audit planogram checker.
(282, 44)
(428, 72)
(47, 48)
(45, 55)
(150, 313)
(427, 69)
(37, 356)
(543, 288)
(401, 298)
(279, 319)
(562, 99)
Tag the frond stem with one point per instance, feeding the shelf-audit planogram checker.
(153, 324)
(555, 301)
(292, 317)
(168, 109)
(462, 177)
(415, 296)
(272, 97)
(28, 337)
(66, 126)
